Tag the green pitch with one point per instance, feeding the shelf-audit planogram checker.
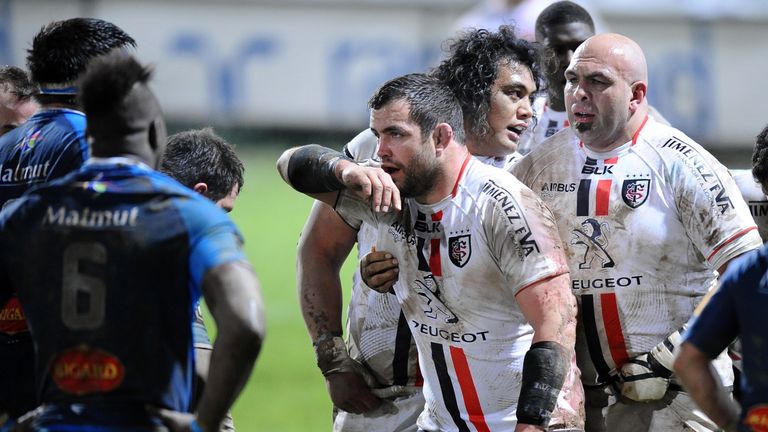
(286, 392)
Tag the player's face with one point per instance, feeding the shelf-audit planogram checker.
(560, 42)
(597, 100)
(409, 160)
(14, 112)
(510, 110)
(228, 202)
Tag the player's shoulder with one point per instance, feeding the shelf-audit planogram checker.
(751, 266)
(364, 146)
(668, 141)
(486, 184)
(750, 189)
(558, 148)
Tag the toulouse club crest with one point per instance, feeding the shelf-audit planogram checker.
(460, 249)
(634, 192)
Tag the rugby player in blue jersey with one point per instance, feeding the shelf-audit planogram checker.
(109, 263)
(49, 145)
(207, 164)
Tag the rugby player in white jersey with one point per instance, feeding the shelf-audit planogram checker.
(483, 282)
(649, 219)
(496, 110)
(560, 29)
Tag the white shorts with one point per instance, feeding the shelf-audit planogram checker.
(396, 415)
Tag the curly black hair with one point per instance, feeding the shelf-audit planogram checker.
(760, 159)
(473, 65)
(62, 49)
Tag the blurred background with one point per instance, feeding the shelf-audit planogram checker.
(268, 74)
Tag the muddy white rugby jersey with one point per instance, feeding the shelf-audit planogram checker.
(755, 198)
(378, 332)
(644, 227)
(462, 261)
(548, 123)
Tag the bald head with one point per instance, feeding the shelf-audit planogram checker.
(617, 51)
(607, 81)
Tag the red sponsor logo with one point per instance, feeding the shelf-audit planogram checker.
(12, 319)
(757, 418)
(85, 370)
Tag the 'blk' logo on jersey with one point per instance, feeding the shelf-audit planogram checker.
(634, 192)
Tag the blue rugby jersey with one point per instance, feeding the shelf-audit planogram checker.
(108, 263)
(49, 145)
(737, 309)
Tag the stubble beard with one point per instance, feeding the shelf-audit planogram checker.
(420, 176)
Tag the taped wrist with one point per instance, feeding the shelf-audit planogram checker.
(544, 369)
(662, 356)
(312, 169)
(332, 355)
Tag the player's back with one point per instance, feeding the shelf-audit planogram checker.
(105, 264)
(49, 145)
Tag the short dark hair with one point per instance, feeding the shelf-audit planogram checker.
(15, 81)
(430, 100)
(62, 49)
(473, 65)
(196, 156)
(760, 159)
(562, 12)
(115, 95)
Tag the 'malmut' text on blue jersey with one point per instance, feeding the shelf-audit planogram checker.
(108, 264)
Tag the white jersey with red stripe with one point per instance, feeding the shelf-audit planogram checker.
(755, 197)
(646, 226)
(461, 262)
(548, 123)
(378, 334)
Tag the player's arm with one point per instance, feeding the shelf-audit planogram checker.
(694, 368)
(233, 295)
(321, 172)
(550, 308)
(325, 243)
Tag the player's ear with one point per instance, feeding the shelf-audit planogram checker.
(442, 135)
(639, 90)
(200, 188)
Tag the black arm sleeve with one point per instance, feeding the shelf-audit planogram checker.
(544, 370)
(312, 169)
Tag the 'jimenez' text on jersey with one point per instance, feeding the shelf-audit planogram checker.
(645, 227)
(462, 261)
(108, 263)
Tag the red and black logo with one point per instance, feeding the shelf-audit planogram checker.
(460, 249)
(757, 418)
(634, 192)
(82, 370)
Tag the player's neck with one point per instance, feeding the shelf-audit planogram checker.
(453, 164)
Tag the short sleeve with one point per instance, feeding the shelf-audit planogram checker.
(363, 147)
(715, 216)
(524, 239)
(354, 210)
(218, 245)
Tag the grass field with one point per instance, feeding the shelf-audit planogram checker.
(286, 392)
